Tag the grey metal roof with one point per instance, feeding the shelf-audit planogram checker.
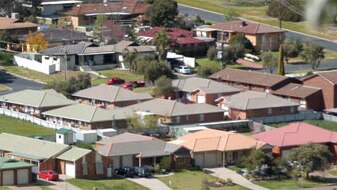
(72, 49)
(74, 154)
(98, 50)
(87, 113)
(257, 100)
(40, 149)
(37, 98)
(173, 108)
(111, 93)
(206, 85)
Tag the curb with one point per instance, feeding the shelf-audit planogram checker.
(22, 77)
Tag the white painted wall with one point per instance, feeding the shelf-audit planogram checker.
(34, 65)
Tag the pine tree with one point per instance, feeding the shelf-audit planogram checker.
(280, 66)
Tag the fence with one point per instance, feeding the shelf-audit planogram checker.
(329, 117)
(303, 115)
(29, 62)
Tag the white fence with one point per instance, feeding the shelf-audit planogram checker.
(29, 62)
(329, 117)
(303, 115)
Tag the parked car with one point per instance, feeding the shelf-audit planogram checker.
(127, 86)
(183, 69)
(125, 171)
(115, 80)
(142, 172)
(133, 84)
(49, 175)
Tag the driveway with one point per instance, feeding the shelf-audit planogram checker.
(151, 183)
(225, 173)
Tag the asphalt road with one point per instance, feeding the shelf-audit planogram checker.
(213, 17)
(17, 83)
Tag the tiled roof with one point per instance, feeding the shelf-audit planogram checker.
(8, 23)
(216, 140)
(249, 77)
(295, 134)
(72, 49)
(246, 27)
(330, 76)
(131, 7)
(62, 35)
(296, 90)
(74, 154)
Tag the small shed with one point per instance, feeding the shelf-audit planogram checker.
(14, 172)
(65, 136)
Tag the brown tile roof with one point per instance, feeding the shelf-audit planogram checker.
(216, 140)
(249, 77)
(131, 7)
(246, 27)
(8, 23)
(330, 76)
(296, 90)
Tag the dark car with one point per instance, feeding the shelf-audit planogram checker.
(125, 171)
(115, 80)
(142, 172)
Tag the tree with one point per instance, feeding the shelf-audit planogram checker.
(162, 12)
(241, 40)
(206, 71)
(310, 157)
(163, 86)
(130, 57)
(256, 160)
(313, 54)
(98, 27)
(231, 15)
(199, 21)
(162, 42)
(136, 122)
(231, 53)
(289, 10)
(36, 41)
(291, 49)
(156, 69)
(269, 61)
(212, 53)
(165, 163)
(280, 64)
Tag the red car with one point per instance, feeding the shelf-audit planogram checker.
(127, 85)
(133, 84)
(49, 175)
(115, 80)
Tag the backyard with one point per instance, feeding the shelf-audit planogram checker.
(108, 184)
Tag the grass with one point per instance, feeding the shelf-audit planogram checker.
(330, 125)
(290, 184)
(126, 75)
(191, 180)
(108, 184)
(333, 172)
(216, 64)
(3, 87)
(24, 128)
(148, 90)
(257, 14)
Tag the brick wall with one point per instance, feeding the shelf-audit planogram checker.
(190, 119)
(210, 98)
(246, 114)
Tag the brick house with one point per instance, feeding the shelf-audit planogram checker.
(215, 148)
(15, 27)
(200, 90)
(252, 80)
(34, 102)
(15, 172)
(293, 135)
(327, 81)
(129, 150)
(308, 97)
(250, 104)
(110, 96)
(176, 113)
(88, 117)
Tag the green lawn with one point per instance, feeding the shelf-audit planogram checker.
(290, 184)
(108, 184)
(126, 75)
(24, 128)
(256, 14)
(3, 87)
(216, 64)
(191, 180)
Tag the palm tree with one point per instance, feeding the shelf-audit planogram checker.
(129, 58)
(162, 42)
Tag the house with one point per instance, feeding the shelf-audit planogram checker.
(283, 139)
(262, 37)
(175, 113)
(56, 37)
(110, 96)
(65, 136)
(124, 11)
(128, 150)
(16, 27)
(34, 102)
(200, 90)
(14, 172)
(308, 97)
(252, 80)
(51, 8)
(181, 41)
(327, 81)
(88, 117)
(251, 104)
(215, 148)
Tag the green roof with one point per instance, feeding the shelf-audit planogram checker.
(6, 163)
(64, 131)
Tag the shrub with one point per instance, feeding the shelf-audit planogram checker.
(6, 59)
(205, 71)
(212, 53)
(165, 163)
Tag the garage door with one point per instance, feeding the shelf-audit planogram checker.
(199, 159)
(201, 99)
(8, 177)
(23, 176)
(210, 159)
(127, 161)
(70, 169)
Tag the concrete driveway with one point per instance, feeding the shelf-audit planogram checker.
(224, 173)
(151, 183)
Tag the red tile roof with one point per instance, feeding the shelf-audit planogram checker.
(246, 27)
(296, 90)
(177, 35)
(295, 134)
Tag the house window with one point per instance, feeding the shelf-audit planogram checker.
(270, 111)
(187, 117)
(201, 117)
(178, 119)
(292, 109)
(181, 160)
(282, 110)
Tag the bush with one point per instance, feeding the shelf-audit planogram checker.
(240, 39)
(6, 59)
(205, 71)
(165, 163)
(212, 53)
(157, 169)
(286, 14)
(163, 86)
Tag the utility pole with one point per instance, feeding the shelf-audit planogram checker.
(66, 64)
